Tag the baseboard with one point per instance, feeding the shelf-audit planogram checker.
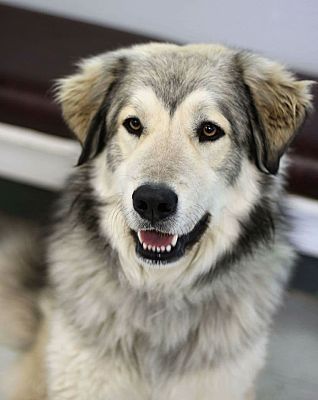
(304, 213)
(35, 158)
(45, 161)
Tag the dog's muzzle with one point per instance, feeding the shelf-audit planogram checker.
(155, 204)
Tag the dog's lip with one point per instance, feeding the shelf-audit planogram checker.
(169, 252)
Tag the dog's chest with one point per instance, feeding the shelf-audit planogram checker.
(136, 358)
(154, 338)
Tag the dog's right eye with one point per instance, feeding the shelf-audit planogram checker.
(133, 126)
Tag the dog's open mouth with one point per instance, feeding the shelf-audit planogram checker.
(159, 247)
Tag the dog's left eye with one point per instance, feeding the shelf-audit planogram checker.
(208, 131)
(133, 125)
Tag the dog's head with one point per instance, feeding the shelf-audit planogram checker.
(181, 140)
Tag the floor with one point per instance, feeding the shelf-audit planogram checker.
(291, 372)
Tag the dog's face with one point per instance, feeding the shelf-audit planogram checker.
(181, 141)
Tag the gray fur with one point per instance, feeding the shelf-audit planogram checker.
(212, 309)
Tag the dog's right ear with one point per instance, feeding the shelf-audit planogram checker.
(83, 97)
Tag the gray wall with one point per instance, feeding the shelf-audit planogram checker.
(283, 29)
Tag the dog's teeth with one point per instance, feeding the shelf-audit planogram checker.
(144, 246)
(153, 248)
(158, 250)
(139, 237)
(149, 247)
(168, 248)
(174, 240)
(163, 248)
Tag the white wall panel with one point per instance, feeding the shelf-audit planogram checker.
(283, 29)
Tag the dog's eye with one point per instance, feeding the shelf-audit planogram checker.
(208, 131)
(133, 125)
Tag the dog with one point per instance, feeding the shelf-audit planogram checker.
(168, 252)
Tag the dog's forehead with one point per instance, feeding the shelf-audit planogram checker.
(200, 102)
(174, 75)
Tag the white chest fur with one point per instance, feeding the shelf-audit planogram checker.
(76, 371)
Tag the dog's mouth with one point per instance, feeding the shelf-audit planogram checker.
(159, 247)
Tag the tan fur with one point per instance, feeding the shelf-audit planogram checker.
(280, 99)
(82, 95)
(27, 378)
(20, 314)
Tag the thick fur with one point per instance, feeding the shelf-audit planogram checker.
(115, 326)
(22, 271)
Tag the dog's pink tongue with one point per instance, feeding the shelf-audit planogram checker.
(155, 238)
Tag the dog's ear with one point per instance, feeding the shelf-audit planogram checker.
(84, 98)
(280, 104)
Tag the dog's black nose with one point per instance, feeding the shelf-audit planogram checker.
(154, 202)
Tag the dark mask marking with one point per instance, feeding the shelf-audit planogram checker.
(258, 228)
(98, 135)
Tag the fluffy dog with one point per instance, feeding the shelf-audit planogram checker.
(168, 255)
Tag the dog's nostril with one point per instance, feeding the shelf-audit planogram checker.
(141, 205)
(154, 202)
(164, 207)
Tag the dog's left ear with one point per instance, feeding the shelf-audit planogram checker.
(280, 105)
(84, 97)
